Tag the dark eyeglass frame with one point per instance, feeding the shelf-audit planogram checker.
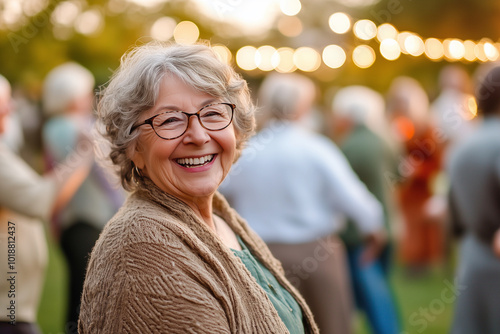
(197, 114)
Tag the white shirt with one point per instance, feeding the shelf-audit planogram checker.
(294, 186)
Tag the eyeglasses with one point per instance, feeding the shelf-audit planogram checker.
(173, 124)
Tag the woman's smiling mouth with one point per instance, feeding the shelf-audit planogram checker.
(195, 162)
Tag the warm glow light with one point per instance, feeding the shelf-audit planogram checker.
(363, 56)
(402, 36)
(469, 46)
(268, 56)
(365, 29)
(290, 26)
(286, 64)
(245, 58)
(163, 28)
(404, 127)
(389, 49)
(223, 53)
(186, 32)
(340, 23)
(89, 22)
(290, 7)
(65, 13)
(334, 56)
(306, 59)
(472, 108)
(414, 45)
(454, 49)
(434, 49)
(490, 51)
(385, 31)
(479, 51)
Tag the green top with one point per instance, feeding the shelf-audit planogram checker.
(287, 307)
(375, 165)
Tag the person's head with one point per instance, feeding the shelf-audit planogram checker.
(408, 106)
(454, 77)
(5, 102)
(285, 97)
(160, 84)
(68, 88)
(488, 92)
(358, 105)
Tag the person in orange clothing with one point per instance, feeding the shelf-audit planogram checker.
(422, 234)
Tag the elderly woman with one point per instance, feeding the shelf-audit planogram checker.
(176, 258)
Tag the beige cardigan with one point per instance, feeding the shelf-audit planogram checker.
(157, 268)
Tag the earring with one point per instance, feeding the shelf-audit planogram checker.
(136, 175)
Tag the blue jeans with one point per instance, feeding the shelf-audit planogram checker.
(372, 292)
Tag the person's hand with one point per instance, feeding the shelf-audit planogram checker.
(374, 244)
(496, 243)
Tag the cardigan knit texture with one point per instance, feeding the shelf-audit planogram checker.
(158, 268)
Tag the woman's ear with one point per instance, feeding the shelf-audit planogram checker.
(135, 154)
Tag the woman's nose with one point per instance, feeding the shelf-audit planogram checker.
(195, 132)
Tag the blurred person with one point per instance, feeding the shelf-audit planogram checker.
(177, 258)
(474, 171)
(454, 108)
(68, 103)
(294, 187)
(421, 239)
(26, 200)
(360, 127)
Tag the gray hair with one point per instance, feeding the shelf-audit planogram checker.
(134, 88)
(282, 96)
(63, 85)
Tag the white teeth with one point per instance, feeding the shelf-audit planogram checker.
(195, 162)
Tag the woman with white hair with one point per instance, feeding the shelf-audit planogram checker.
(68, 103)
(359, 125)
(26, 200)
(177, 258)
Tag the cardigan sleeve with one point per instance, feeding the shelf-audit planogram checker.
(155, 290)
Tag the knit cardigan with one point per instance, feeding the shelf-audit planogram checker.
(157, 268)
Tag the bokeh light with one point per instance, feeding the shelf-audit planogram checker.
(290, 7)
(365, 29)
(186, 32)
(89, 22)
(490, 51)
(469, 46)
(434, 49)
(268, 58)
(386, 31)
(306, 59)
(389, 49)
(340, 23)
(223, 53)
(334, 56)
(163, 28)
(454, 49)
(245, 58)
(363, 56)
(414, 45)
(290, 26)
(286, 64)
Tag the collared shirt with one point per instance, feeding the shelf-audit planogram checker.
(294, 186)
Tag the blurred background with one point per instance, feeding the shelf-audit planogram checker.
(334, 42)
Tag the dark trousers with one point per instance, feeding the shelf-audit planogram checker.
(77, 242)
(18, 328)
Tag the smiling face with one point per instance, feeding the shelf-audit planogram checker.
(192, 166)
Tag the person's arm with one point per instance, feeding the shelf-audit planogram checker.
(28, 193)
(351, 197)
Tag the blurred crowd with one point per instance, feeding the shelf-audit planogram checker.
(341, 192)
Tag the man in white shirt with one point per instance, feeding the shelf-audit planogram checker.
(294, 187)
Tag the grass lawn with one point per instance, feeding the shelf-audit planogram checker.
(426, 303)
